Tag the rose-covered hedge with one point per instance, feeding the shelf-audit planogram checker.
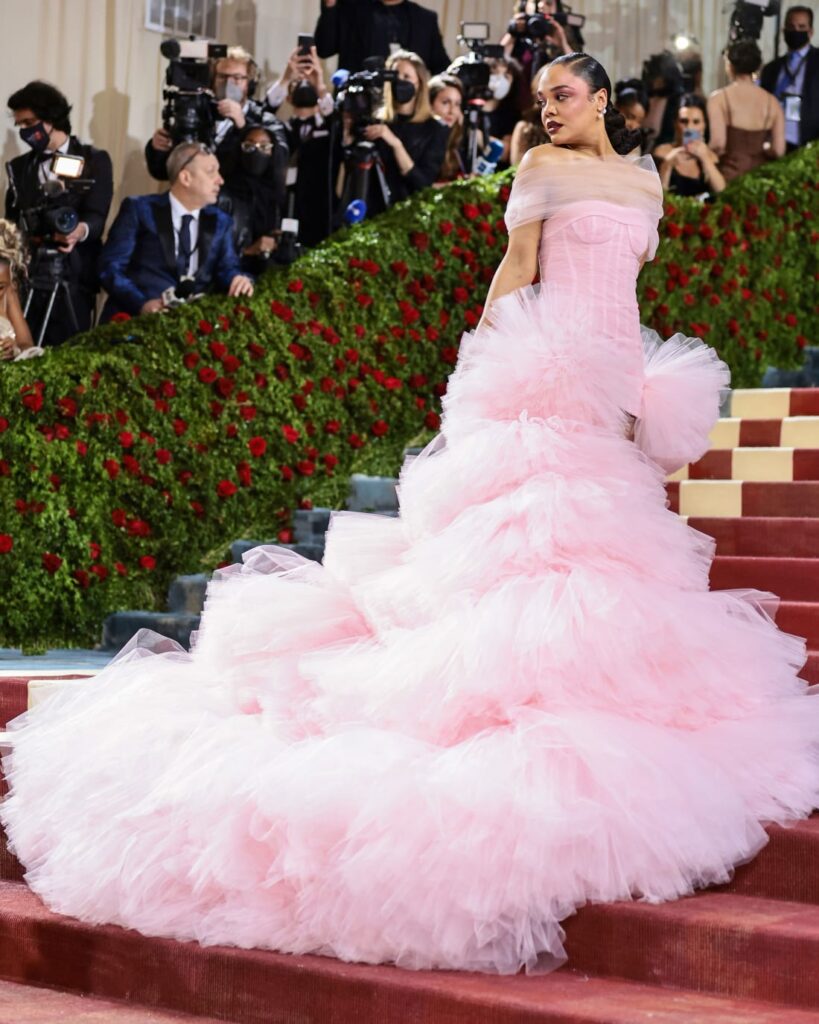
(141, 449)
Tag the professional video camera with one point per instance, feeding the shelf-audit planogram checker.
(747, 17)
(539, 29)
(472, 69)
(362, 93)
(49, 216)
(190, 114)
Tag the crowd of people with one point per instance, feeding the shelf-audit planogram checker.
(282, 168)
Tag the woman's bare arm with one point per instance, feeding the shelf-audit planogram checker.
(777, 130)
(716, 123)
(517, 268)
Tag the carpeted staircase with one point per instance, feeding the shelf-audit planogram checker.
(744, 954)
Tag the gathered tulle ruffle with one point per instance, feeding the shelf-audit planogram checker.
(517, 697)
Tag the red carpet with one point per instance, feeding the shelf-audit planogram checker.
(744, 954)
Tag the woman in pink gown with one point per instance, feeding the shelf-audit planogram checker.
(517, 697)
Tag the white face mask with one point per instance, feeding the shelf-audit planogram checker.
(499, 86)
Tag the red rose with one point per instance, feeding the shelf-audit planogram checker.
(790, 319)
(82, 577)
(285, 536)
(51, 563)
(205, 327)
(208, 375)
(673, 230)
(82, 448)
(355, 441)
(179, 427)
(34, 401)
(4, 424)
(217, 349)
(226, 488)
(290, 434)
(364, 300)
(100, 571)
(470, 211)
(6, 543)
(120, 318)
(420, 240)
(330, 461)
(295, 286)
(67, 406)
(5, 468)
(224, 387)
(432, 420)
(243, 472)
(449, 354)
(281, 311)
(198, 509)
(248, 412)
(119, 517)
(306, 467)
(332, 427)
(399, 268)
(380, 428)
(287, 473)
(299, 351)
(255, 351)
(163, 456)
(231, 364)
(139, 528)
(121, 568)
(257, 446)
(147, 562)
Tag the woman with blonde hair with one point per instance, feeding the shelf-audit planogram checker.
(410, 141)
(446, 97)
(15, 336)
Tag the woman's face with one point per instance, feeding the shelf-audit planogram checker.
(500, 80)
(547, 6)
(690, 119)
(447, 106)
(635, 114)
(568, 107)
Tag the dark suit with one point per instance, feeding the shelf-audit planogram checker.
(350, 29)
(809, 123)
(138, 261)
(81, 263)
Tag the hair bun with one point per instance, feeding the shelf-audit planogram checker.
(622, 139)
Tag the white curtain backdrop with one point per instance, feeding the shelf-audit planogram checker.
(100, 54)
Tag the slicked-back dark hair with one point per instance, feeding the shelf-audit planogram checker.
(596, 77)
(46, 101)
(799, 9)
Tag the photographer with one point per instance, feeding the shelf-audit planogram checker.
(536, 40)
(358, 29)
(234, 80)
(313, 141)
(663, 84)
(67, 261)
(690, 167)
(505, 105)
(177, 240)
(15, 336)
(411, 142)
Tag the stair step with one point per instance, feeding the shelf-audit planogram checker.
(119, 627)
(789, 432)
(372, 494)
(734, 498)
(800, 618)
(310, 525)
(26, 1004)
(739, 946)
(187, 594)
(786, 869)
(761, 535)
(259, 987)
(793, 579)
(754, 464)
(774, 403)
(313, 551)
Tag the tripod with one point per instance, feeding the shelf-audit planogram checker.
(476, 123)
(48, 276)
(363, 158)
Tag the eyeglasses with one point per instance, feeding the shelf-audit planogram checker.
(201, 150)
(261, 147)
(238, 79)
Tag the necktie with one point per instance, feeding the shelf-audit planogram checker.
(183, 255)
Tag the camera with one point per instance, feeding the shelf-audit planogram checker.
(747, 17)
(539, 29)
(189, 113)
(361, 94)
(472, 69)
(662, 75)
(51, 215)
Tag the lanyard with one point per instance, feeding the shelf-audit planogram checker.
(793, 75)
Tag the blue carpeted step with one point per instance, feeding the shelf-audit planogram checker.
(119, 627)
(373, 494)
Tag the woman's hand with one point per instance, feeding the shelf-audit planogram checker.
(263, 246)
(383, 132)
(700, 150)
(559, 35)
(9, 349)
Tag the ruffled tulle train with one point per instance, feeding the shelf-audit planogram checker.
(517, 697)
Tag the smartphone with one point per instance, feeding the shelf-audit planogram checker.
(305, 44)
(691, 135)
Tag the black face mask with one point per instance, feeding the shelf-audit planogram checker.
(35, 136)
(304, 95)
(255, 163)
(403, 91)
(795, 39)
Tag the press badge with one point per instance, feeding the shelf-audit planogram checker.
(793, 108)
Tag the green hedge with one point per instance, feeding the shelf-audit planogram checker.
(139, 450)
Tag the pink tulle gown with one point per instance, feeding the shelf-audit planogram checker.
(517, 697)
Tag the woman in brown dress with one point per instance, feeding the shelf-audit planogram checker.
(747, 123)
